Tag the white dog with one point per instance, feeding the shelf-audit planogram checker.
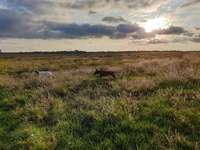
(44, 74)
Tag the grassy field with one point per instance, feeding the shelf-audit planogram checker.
(154, 103)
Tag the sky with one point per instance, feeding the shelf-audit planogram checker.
(99, 25)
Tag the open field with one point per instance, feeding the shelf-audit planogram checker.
(154, 102)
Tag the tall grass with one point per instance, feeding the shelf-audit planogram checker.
(154, 103)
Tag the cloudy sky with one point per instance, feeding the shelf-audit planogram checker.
(99, 25)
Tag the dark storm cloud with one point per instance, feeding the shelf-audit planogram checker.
(110, 19)
(173, 30)
(128, 28)
(120, 31)
(19, 24)
(192, 2)
(15, 24)
(87, 30)
(78, 31)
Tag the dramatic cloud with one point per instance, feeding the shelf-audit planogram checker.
(88, 4)
(15, 24)
(20, 25)
(173, 30)
(110, 19)
(87, 30)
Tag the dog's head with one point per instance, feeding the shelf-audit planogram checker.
(37, 72)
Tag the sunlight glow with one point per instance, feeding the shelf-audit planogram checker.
(156, 24)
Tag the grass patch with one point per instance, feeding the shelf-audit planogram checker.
(142, 109)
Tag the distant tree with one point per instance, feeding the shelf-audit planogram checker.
(0, 51)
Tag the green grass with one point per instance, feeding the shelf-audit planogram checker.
(80, 111)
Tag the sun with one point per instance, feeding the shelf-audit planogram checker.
(156, 24)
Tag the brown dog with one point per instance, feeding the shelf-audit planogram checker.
(103, 73)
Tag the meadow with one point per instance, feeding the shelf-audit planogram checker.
(153, 104)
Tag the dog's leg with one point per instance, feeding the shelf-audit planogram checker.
(113, 75)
